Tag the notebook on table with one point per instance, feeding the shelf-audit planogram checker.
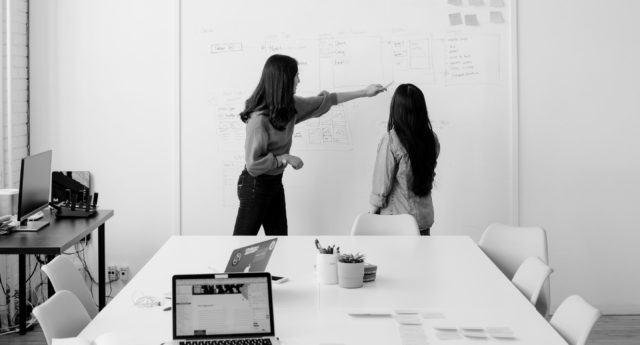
(236, 308)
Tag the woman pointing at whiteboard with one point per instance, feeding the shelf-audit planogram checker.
(270, 115)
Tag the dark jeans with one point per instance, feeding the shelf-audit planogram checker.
(261, 204)
(425, 232)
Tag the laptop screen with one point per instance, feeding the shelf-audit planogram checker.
(222, 305)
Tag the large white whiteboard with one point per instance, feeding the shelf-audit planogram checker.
(459, 52)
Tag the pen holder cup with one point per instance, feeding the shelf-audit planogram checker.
(327, 268)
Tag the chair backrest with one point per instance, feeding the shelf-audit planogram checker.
(64, 276)
(508, 246)
(530, 277)
(382, 224)
(574, 319)
(61, 316)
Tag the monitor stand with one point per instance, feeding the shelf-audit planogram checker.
(31, 226)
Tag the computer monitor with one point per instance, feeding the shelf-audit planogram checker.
(35, 187)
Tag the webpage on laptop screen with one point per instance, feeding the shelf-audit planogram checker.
(222, 306)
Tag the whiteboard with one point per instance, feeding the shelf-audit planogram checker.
(460, 53)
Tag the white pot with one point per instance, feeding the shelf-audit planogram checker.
(350, 275)
(327, 268)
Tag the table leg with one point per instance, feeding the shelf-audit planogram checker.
(101, 268)
(22, 293)
(50, 289)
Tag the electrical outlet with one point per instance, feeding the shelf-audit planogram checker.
(112, 273)
(125, 273)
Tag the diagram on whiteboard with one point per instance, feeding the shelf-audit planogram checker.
(460, 53)
(230, 130)
(330, 131)
(412, 60)
(334, 62)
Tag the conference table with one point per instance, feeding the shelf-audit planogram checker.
(438, 290)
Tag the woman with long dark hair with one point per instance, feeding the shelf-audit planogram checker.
(270, 114)
(406, 161)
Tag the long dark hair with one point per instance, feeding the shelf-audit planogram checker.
(410, 120)
(274, 93)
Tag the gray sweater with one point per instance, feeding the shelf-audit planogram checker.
(263, 142)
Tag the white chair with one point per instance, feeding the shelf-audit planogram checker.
(530, 277)
(382, 224)
(64, 276)
(574, 319)
(508, 246)
(61, 316)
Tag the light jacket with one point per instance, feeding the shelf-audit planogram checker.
(392, 179)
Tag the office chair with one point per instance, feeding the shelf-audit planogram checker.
(378, 224)
(508, 246)
(574, 319)
(64, 276)
(61, 316)
(530, 277)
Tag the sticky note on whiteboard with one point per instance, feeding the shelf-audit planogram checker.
(471, 20)
(476, 2)
(497, 3)
(496, 17)
(455, 2)
(455, 19)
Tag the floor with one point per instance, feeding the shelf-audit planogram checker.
(610, 329)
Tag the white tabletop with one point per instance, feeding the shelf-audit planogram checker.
(446, 277)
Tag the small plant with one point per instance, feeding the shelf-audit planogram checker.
(351, 258)
(329, 250)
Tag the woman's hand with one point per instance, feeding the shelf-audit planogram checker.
(294, 161)
(373, 90)
(369, 91)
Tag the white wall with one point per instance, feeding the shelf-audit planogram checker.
(103, 96)
(579, 126)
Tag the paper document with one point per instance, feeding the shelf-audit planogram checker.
(370, 312)
(448, 335)
(412, 335)
(409, 319)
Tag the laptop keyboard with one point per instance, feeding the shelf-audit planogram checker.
(245, 341)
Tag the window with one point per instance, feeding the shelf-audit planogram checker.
(14, 94)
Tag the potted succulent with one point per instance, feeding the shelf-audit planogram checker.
(350, 270)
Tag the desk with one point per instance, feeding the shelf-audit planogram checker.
(447, 274)
(54, 239)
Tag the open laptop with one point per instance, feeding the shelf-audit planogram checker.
(234, 307)
(252, 258)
